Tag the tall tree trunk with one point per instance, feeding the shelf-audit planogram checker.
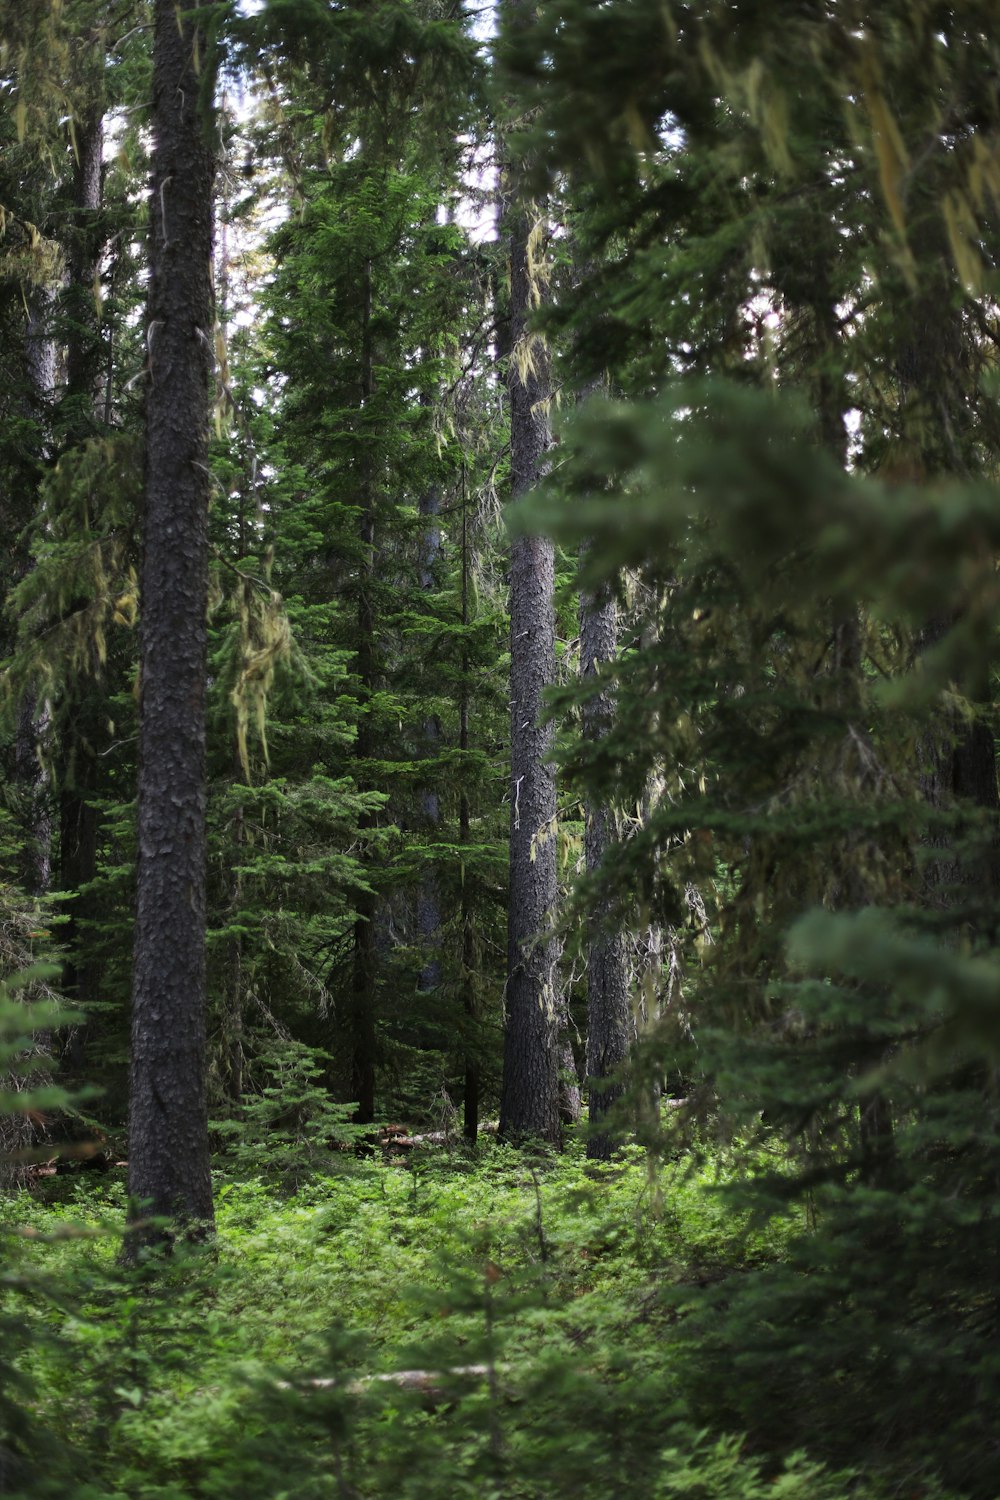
(78, 831)
(78, 820)
(32, 716)
(830, 397)
(168, 1127)
(35, 816)
(609, 1018)
(428, 901)
(529, 1104)
(84, 363)
(937, 436)
(365, 969)
(41, 355)
(470, 1001)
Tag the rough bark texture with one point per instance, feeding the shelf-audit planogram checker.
(365, 967)
(609, 1018)
(529, 1104)
(168, 1131)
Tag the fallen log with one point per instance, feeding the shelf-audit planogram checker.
(427, 1382)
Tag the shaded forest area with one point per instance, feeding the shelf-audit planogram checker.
(499, 846)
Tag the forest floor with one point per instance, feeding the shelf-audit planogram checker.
(265, 1365)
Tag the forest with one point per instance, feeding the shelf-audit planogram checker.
(499, 819)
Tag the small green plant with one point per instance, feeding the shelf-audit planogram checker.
(291, 1131)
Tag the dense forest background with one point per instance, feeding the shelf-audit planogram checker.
(499, 848)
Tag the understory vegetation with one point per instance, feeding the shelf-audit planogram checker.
(539, 1308)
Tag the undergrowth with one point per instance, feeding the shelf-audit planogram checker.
(539, 1302)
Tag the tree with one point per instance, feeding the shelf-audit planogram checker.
(817, 689)
(168, 1131)
(529, 1104)
(609, 1014)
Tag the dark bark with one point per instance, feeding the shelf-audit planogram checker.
(82, 412)
(938, 435)
(36, 820)
(365, 968)
(363, 1036)
(609, 1018)
(428, 900)
(529, 1104)
(879, 1162)
(234, 1056)
(959, 766)
(168, 1130)
(78, 830)
(470, 1001)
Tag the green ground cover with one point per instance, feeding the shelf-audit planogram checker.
(253, 1368)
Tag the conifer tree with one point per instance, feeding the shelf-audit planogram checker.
(168, 1129)
(75, 507)
(793, 697)
(608, 1001)
(380, 290)
(530, 1097)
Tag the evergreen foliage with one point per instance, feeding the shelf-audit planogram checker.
(771, 317)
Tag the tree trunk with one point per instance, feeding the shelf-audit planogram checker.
(35, 863)
(937, 436)
(365, 971)
(530, 1091)
(84, 364)
(32, 716)
(428, 901)
(470, 1000)
(609, 1018)
(168, 1128)
(82, 407)
(78, 830)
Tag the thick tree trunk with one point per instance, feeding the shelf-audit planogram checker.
(609, 1018)
(530, 1092)
(168, 1131)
